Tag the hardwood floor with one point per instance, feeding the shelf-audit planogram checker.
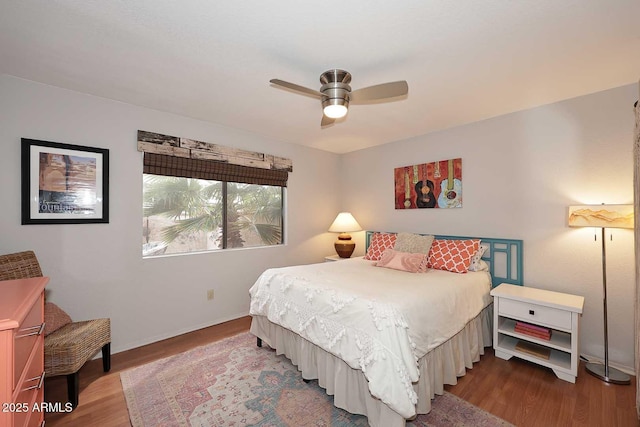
(526, 394)
(517, 391)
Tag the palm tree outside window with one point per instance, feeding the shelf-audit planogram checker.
(183, 215)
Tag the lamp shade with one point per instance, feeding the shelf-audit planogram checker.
(345, 223)
(603, 216)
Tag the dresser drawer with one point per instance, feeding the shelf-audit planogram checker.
(25, 403)
(31, 389)
(21, 350)
(26, 336)
(36, 419)
(552, 317)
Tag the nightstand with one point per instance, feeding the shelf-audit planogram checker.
(331, 258)
(554, 311)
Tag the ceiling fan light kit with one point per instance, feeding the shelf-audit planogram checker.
(335, 93)
(335, 111)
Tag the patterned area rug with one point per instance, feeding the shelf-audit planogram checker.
(233, 382)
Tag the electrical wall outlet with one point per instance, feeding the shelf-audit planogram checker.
(210, 294)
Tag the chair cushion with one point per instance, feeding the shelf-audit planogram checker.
(54, 318)
(68, 348)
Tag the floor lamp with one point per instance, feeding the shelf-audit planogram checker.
(603, 216)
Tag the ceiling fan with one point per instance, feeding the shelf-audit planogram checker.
(335, 93)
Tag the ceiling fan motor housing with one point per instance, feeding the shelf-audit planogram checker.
(335, 76)
(335, 87)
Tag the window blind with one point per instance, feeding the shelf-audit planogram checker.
(162, 164)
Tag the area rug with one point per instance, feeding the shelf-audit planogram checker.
(234, 383)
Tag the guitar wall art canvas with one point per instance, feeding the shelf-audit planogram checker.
(429, 185)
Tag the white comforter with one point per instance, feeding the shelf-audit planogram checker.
(378, 320)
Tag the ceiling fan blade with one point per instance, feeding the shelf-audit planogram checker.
(297, 88)
(380, 92)
(327, 121)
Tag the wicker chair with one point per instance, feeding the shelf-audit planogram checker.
(67, 349)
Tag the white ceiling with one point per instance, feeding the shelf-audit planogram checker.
(464, 60)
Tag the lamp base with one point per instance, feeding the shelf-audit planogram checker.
(615, 376)
(344, 245)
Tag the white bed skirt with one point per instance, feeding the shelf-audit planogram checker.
(442, 365)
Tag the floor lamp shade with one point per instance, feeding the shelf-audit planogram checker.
(603, 216)
(344, 224)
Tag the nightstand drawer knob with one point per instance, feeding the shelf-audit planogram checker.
(531, 312)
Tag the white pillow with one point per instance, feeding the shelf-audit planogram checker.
(413, 243)
(482, 266)
(477, 264)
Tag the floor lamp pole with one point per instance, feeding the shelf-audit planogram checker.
(604, 372)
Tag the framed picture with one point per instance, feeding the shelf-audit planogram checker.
(64, 183)
(429, 185)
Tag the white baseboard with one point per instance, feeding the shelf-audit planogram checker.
(625, 369)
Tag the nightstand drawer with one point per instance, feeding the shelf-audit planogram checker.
(535, 313)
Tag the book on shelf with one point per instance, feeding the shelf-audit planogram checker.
(533, 327)
(535, 334)
(533, 349)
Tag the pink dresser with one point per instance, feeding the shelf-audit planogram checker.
(22, 352)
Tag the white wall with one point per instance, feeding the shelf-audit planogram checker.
(97, 270)
(520, 173)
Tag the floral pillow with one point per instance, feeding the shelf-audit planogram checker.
(379, 242)
(403, 261)
(452, 255)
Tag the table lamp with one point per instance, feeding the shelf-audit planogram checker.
(344, 224)
(603, 216)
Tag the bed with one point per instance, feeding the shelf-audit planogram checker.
(382, 341)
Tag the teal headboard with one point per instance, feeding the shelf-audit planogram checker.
(504, 257)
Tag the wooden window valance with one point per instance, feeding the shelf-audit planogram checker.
(173, 156)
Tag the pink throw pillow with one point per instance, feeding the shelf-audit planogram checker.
(403, 261)
(452, 255)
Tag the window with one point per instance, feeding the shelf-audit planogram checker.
(254, 215)
(183, 215)
(200, 196)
